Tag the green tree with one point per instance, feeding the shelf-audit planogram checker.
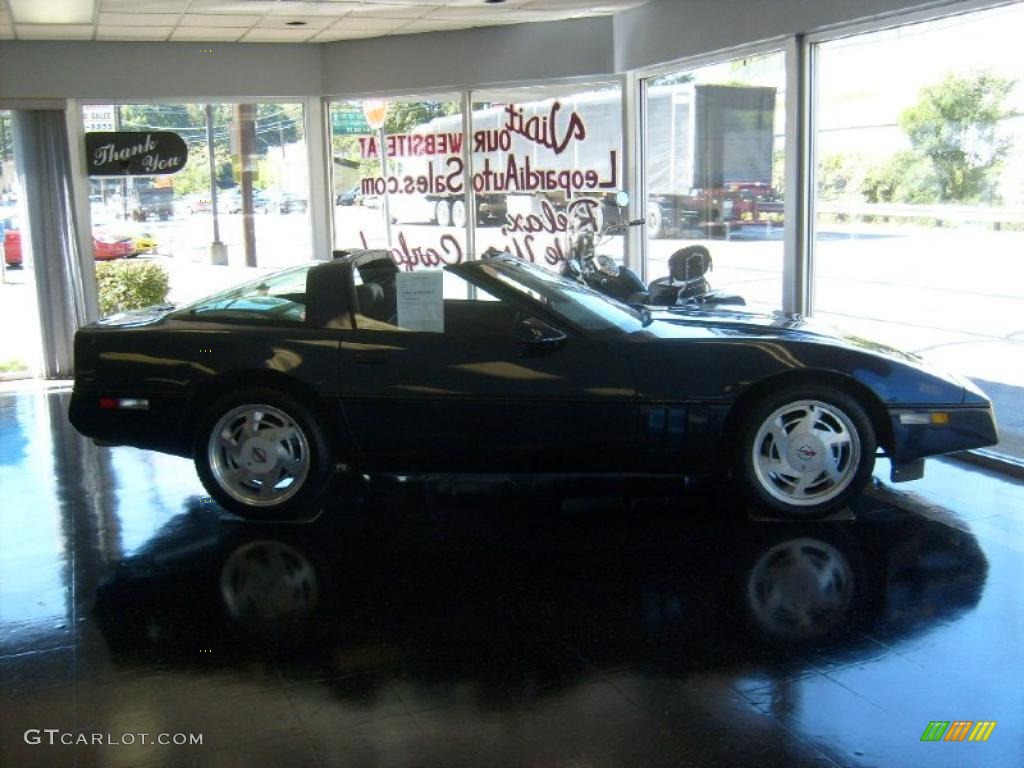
(277, 124)
(956, 126)
(403, 116)
(907, 177)
(838, 176)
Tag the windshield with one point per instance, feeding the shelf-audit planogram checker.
(280, 296)
(580, 306)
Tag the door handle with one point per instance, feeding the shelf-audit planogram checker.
(369, 357)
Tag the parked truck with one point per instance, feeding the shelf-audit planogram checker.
(151, 197)
(709, 159)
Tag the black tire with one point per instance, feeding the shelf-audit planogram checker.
(299, 452)
(808, 478)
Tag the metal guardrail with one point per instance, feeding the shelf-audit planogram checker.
(976, 213)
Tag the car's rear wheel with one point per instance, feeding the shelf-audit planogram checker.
(805, 451)
(263, 456)
(443, 213)
(458, 213)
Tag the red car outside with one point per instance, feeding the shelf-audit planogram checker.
(105, 247)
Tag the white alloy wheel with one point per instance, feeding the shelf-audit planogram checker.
(806, 453)
(258, 455)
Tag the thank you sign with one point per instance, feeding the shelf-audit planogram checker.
(135, 153)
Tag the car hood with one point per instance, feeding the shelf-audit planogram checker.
(725, 323)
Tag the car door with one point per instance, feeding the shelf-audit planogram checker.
(478, 397)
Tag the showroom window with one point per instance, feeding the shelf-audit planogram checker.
(398, 178)
(19, 351)
(714, 162)
(920, 204)
(543, 157)
(256, 208)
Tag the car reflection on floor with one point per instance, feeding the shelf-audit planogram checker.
(467, 576)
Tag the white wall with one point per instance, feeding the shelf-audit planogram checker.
(666, 30)
(224, 71)
(89, 70)
(487, 55)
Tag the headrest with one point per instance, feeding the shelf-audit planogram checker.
(368, 295)
(688, 263)
(327, 296)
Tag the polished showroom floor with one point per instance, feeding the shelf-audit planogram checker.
(492, 623)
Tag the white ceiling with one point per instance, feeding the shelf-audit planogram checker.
(266, 21)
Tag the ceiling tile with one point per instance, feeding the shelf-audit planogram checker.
(213, 20)
(331, 35)
(409, 11)
(312, 23)
(139, 19)
(481, 12)
(604, 6)
(258, 7)
(133, 33)
(54, 31)
(369, 25)
(144, 6)
(430, 25)
(278, 35)
(312, 9)
(219, 34)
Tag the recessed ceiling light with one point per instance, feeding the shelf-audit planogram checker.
(53, 11)
(295, 23)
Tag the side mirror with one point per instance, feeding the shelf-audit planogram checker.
(538, 336)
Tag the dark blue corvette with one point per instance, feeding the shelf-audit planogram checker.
(501, 366)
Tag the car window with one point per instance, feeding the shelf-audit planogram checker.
(277, 297)
(426, 301)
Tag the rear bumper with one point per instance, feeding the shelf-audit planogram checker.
(967, 428)
(159, 427)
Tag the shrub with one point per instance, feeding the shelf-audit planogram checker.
(123, 285)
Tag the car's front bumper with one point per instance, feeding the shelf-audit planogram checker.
(921, 432)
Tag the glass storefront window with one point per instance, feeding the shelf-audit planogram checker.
(714, 154)
(541, 155)
(919, 201)
(260, 177)
(19, 351)
(400, 185)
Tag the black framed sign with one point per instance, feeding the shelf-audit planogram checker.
(135, 153)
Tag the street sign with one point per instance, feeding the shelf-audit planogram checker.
(348, 121)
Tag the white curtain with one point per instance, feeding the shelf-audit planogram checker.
(41, 153)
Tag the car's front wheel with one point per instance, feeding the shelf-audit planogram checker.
(805, 451)
(263, 455)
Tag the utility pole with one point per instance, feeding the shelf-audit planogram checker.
(245, 125)
(218, 252)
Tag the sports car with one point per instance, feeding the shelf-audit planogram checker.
(106, 246)
(500, 366)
